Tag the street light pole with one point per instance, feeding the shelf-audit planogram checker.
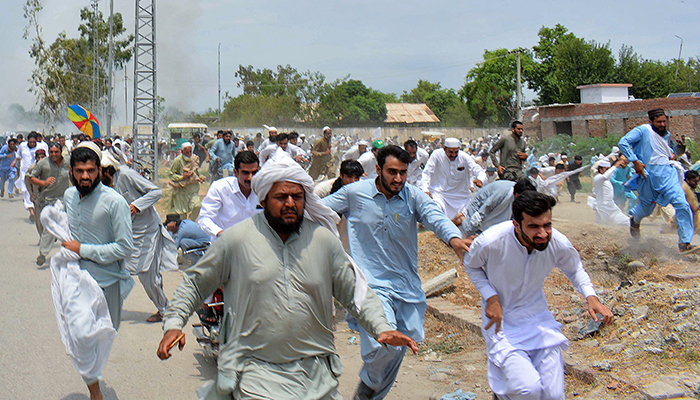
(678, 63)
(219, 97)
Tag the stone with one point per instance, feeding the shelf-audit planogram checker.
(614, 386)
(680, 307)
(575, 298)
(653, 350)
(569, 319)
(556, 293)
(630, 353)
(601, 254)
(612, 348)
(659, 390)
(590, 343)
(439, 377)
(640, 312)
(566, 313)
(642, 282)
(603, 365)
(591, 327)
(635, 265)
(619, 310)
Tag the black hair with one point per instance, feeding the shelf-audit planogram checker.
(293, 135)
(563, 153)
(244, 157)
(32, 135)
(515, 123)
(691, 174)
(226, 133)
(394, 151)
(13, 140)
(578, 158)
(559, 166)
(108, 140)
(281, 137)
(410, 143)
(249, 143)
(523, 185)
(84, 154)
(351, 168)
(532, 203)
(110, 170)
(55, 144)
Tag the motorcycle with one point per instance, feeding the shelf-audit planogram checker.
(207, 331)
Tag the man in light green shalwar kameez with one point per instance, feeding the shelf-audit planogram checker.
(185, 179)
(280, 270)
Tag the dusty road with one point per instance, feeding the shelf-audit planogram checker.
(34, 364)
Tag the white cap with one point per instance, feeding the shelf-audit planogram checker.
(185, 144)
(362, 143)
(325, 127)
(108, 160)
(302, 135)
(452, 143)
(564, 156)
(604, 163)
(272, 129)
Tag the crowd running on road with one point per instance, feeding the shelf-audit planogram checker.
(289, 224)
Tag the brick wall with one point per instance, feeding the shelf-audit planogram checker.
(597, 128)
(630, 107)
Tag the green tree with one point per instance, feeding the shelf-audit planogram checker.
(64, 68)
(566, 61)
(441, 101)
(490, 87)
(250, 110)
(350, 102)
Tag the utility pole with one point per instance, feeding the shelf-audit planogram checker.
(126, 99)
(519, 93)
(678, 63)
(110, 63)
(219, 98)
(95, 62)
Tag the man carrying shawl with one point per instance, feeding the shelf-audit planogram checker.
(185, 179)
(280, 270)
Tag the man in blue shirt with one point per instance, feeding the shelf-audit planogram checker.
(647, 148)
(187, 235)
(382, 216)
(8, 170)
(222, 153)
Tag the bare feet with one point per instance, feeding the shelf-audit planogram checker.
(95, 393)
(457, 220)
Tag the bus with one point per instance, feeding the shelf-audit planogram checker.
(181, 132)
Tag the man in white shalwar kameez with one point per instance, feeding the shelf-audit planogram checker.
(448, 175)
(368, 160)
(606, 211)
(230, 200)
(280, 270)
(354, 152)
(508, 264)
(26, 155)
(154, 250)
(419, 158)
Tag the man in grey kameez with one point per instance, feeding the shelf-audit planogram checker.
(154, 249)
(100, 224)
(51, 175)
(280, 276)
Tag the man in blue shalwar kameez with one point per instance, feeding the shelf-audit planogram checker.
(647, 148)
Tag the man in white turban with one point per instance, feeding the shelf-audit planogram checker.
(606, 211)
(185, 180)
(448, 175)
(280, 270)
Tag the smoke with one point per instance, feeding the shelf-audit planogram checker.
(179, 68)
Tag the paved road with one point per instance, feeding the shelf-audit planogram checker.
(34, 364)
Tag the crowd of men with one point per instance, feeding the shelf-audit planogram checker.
(282, 236)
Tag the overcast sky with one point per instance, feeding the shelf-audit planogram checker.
(388, 45)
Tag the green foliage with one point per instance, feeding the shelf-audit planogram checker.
(585, 147)
(351, 103)
(64, 68)
(251, 110)
(490, 87)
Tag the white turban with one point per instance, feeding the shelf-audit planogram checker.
(185, 145)
(452, 143)
(92, 146)
(272, 129)
(108, 160)
(285, 169)
(604, 164)
(362, 143)
(325, 127)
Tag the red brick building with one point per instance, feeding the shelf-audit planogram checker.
(602, 119)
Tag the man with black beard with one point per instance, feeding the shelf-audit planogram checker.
(508, 264)
(100, 224)
(280, 274)
(382, 217)
(647, 147)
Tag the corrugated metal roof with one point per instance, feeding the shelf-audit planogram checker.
(407, 113)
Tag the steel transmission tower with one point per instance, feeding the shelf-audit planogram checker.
(145, 130)
(94, 107)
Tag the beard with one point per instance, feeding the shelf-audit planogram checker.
(86, 189)
(661, 133)
(537, 246)
(387, 186)
(279, 225)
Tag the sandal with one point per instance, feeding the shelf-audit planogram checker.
(157, 317)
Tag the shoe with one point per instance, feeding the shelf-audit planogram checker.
(2, 193)
(31, 218)
(363, 392)
(40, 260)
(634, 229)
(687, 248)
(10, 196)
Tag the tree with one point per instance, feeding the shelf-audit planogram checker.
(566, 61)
(490, 87)
(351, 103)
(64, 69)
(250, 110)
(441, 101)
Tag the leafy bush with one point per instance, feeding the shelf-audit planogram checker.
(583, 146)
